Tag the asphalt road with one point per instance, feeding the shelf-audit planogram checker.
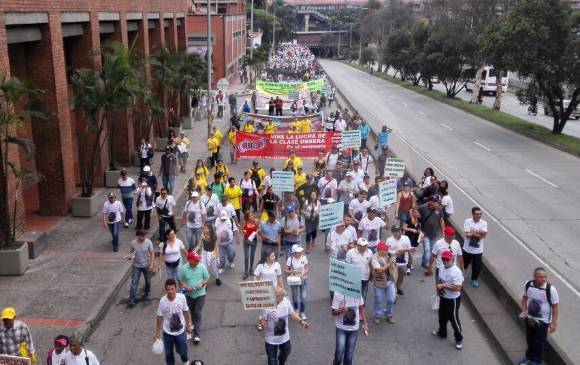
(229, 335)
(527, 189)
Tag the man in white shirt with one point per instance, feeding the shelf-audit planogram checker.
(348, 313)
(144, 205)
(449, 287)
(357, 173)
(78, 354)
(347, 188)
(164, 205)
(475, 230)
(332, 159)
(361, 256)
(224, 230)
(358, 207)
(229, 208)
(340, 125)
(327, 186)
(211, 203)
(366, 161)
(370, 227)
(447, 243)
(173, 317)
(113, 215)
(400, 246)
(193, 217)
(337, 242)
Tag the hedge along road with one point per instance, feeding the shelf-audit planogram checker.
(527, 189)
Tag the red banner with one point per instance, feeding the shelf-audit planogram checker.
(279, 145)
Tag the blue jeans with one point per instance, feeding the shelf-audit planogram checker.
(135, 276)
(172, 272)
(299, 296)
(192, 235)
(287, 246)
(364, 289)
(114, 229)
(381, 294)
(345, 345)
(169, 183)
(428, 242)
(163, 222)
(278, 354)
(180, 342)
(228, 250)
(128, 204)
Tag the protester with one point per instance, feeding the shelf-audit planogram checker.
(358, 207)
(447, 243)
(446, 201)
(218, 187)
(311, 213)
(142, 248)
(57, 355)
(209, 250)
(145, 152)
(361, 256)
(144, 205)
(193, 217)
(224, 205)
(292, 229)
(405, 202)
(370, 227)
(127, 186)
(268, 269)
(338, 241)
(432, 225)
(384, 279)
(13, 333)
(540, 311)
(347, 189)
(78, 354)
(173, 318)
(193, 279)
(297, 268)
(365, 160)
(328, 187)
(168, 170)
(475, 230)
(212, 146)
(250, 193)
(250, 229)
(269, 201)
(113, 216)
(449, 285)
(233, 101)
(234, 194)
(401, 248)
(277, 333)
(348, 312)
(412, 229)
(171, 249)
(224, 230)
(164, 207)
(182, 151)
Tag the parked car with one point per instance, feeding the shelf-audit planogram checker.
(488, 81)
(575, 113)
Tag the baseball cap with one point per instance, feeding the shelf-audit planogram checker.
(447, 255)
(449, 231)
(297, 248)
(8, 313)
(255, 162)
(382, 246)
(362, 242)
(290, 208)
(395, 228)
(355, 162)
(195, 194)
(193, 256)
(123, 172)
(223, 214)
(147, 168)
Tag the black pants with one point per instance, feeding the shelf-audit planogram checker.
(214, 158)
(278, 111)
(449, 312)
(475, 259)
(195, 308)
(536, 333)
(143, 162)
(143, 219)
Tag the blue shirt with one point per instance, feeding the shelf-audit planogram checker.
(246, 108)
(270, 231)
(384, 138)
(364, 131)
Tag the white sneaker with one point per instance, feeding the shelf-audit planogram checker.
(186, 363)
(220, 271)
(232, 265)
(303, 316)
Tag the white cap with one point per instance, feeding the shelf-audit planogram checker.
(146, 168)
(349, 174)
(330, 200)
(362, 242)
(297, 248)
(223, 214)
(195, 194)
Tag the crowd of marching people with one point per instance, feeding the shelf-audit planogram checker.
(292, 62)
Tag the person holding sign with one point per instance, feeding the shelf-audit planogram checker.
(13, 333)
(327, 186)
(277, 334)
(358, 207)
(347, 189)
(361, 256)
(370, 227)
(347, 312)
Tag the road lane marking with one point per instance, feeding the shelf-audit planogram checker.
(423, 114)
(446, 126)
(392, 97)
(542, 178)
(482, 146)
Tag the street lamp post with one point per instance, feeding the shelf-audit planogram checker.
(252, 31)
(209, 66)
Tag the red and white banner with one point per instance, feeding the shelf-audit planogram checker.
(279, 145)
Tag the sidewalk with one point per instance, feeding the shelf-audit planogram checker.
(73, 282)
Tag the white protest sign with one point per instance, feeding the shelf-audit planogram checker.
(351, 139)
(344, 278)
(13, 360)
(395, 167)
(331, 215)
(387, 192)
(283, 181)
(258, 295)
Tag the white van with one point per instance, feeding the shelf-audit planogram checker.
(487, 81)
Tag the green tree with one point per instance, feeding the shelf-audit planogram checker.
(540, 39)
(257, 60)
(397, 52)
(369, 56)
(18, 101)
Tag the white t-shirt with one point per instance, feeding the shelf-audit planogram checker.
(447, 204)
(228, 208)
(358, 176)
(59, 359)
(339, 301)
(338, 244)
(224, 230)
(324, 185)
(441, 246)
(272, 316)
(340, 125)
(371, 229)
(267, 182)
(172, 252)
(331, 160)
(402, 243)
(116, 207)
(365, 163)
(538, 305)
(297, 264)
(470, 226)
(349, 189)
(361, 260)
(451, 275)
(172, 313)
(375, 202)
(72, 359)
(359, 207)
(208, 202)
(268, 272)
(353, 235)
(248, 184)
(142, 194)
(160, 203)
(193, 212)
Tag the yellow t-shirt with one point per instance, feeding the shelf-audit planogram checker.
(219, 136)
(306, 126)
(212, 144)
(223, 169)
(203, 170)
(233, 195)
(232, 137)
(299, 180)
(248, 128)
(297, 163)
(202, 182)
(270, 128)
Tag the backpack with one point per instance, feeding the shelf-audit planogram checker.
(548, 290)
(255, 176)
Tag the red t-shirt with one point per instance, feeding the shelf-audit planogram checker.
(279, 104)
(249, 230)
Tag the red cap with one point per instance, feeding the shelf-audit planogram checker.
(382, 246)
(193, 256)
(447, 255)
(449, 231)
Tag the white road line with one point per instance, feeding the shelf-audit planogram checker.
(423, 114)
(500, 224)
(446, 126)
(482, 146)
(392, 97)
(405, 105)
(542, 178)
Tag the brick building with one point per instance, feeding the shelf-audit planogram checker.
(43, 41)
(228, 35)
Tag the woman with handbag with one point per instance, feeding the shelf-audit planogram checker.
(268, 269)
(208, 249)
(297, 268)
(412, 229)
(250, 242)
(311, 213)
(171, 249)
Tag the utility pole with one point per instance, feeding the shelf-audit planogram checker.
(338, 43)
(350, 37)
(273, 28)
(209, 46)
(252, 31)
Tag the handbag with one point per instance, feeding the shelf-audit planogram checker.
(293, 280)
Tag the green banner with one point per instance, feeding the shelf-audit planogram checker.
(283, 88)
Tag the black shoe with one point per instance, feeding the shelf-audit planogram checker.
(115, 248)
(131, 303)
(437, 334)
(218, 282)
(400, 292)
(245, 276)
(145, 296)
